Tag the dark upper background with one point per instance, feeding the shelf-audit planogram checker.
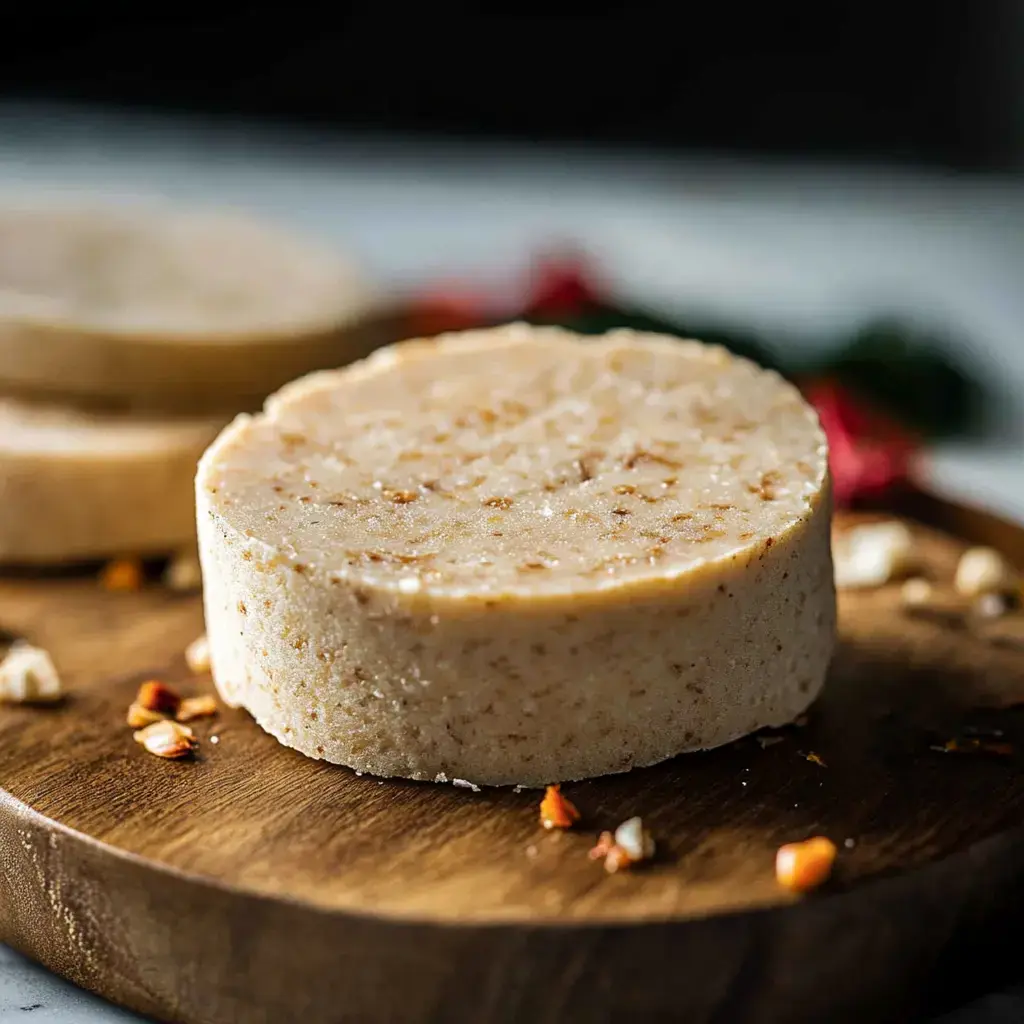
(937, 83)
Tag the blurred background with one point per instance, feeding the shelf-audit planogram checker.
(836, 191)
(940, 84)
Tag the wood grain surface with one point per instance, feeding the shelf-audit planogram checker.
(254, 884)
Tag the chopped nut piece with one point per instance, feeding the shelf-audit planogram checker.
(196, 707)
(122, 574)
(873, 554)
(975, 746)
(915, 593)
(605, 842)
(816, 759)
(167, 739)
(183, 572)
(556, 811)
(800, 867)
(630, 844)
(156, 696)
(197, 655)
(139, 716)
(28, 676)
(990, 606)
(635, 840)
(984, 571)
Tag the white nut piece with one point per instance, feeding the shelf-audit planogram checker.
(873, 554)
(197, 655)
(983, 571)
(183, 573)
(635, 840)
(28, 676)
(915, 593)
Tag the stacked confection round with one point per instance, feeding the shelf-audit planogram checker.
(129, 335)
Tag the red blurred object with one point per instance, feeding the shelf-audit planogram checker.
(452, 307)
(869, 453)
(562, 285)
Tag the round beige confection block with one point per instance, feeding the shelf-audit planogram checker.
(151, 307)
(519, 556)
(81, 484)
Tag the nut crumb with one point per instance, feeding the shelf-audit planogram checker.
(990, 606)
(466, 784)
(196, 707)
(873, 554)
(197, 655)
(167, 739)
(139, 717)
(816, 759)
(156, 696)
(556, 811)
(915, 593)
(984, 571)
(183, 573)
(630, 844)
(800, 867)
(28, 676)
(122, 575)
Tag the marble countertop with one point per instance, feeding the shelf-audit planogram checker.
(805, 248)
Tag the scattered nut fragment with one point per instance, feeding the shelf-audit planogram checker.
(984, 571)
(973, 745)
(915, 593)
(630, 844)
(139, 716)
(122, 574)
(28, 676)
(197, 655)
(800, 867)
(192, 708)
(167, 739)
(556, 811)
(873, 554)
(183, 572)
(156, 696)
(816, 759)
(990, 606)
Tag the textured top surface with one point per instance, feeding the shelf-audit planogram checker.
(522, 459)
(161, 272)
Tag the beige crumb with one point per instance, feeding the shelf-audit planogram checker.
(28, 676)
(873, 554)
(197, 655)
(167, 739)
(140, 716)
(183, 573)
(196, 707)
(915, 593)
(984, 571)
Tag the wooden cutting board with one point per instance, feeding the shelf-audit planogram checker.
(256, 885)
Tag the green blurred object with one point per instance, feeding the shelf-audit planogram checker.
(911, 373)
